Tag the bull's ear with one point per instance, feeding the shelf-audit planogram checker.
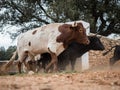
(80, 27)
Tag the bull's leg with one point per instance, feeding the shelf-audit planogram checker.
(112, 61)
(34, 66)
(53, 62)
(39, 66)
(30, 63)
(72, 64)
(20, 60)
(19, 66)
(44, 63)
(62, 65)
(26, 66)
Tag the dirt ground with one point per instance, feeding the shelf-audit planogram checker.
(97, 78)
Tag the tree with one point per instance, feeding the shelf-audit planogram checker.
(9, 52)
(103, 15)
(2, 53)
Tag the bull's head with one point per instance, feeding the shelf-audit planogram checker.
(71, 33)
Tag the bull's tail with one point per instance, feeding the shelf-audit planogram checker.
(10, 62)
(108, 51)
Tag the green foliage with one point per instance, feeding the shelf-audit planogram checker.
(2, 53)
(103, 15)
(7, 54)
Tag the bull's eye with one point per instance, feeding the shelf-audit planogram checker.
(80, 30)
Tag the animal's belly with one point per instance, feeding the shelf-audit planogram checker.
(38, 49)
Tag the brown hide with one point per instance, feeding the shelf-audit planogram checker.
(71, 33)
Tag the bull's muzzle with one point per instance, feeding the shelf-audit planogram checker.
(87, 42)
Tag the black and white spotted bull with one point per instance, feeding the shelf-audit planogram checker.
(116, 55)
(52, 38)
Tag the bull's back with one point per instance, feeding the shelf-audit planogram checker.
(32, 42)
(36, 40)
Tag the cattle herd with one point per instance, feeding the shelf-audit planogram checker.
(57, 45)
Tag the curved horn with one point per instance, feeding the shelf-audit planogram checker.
(92, 34)
(74, 25)
(99, 36)
(95, 34)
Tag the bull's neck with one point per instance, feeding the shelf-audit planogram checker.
(85, 48)
(67, 43)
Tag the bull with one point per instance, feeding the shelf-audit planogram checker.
(72, 52)
(52, 38)
(116, 55)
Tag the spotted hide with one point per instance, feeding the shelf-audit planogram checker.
(52, 38)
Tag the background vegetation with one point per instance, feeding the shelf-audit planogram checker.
(103, 15)
(6, 54)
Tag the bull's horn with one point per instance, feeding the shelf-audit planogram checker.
(99, 36)
(92, 34)
(74, 25)
(96, 34)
